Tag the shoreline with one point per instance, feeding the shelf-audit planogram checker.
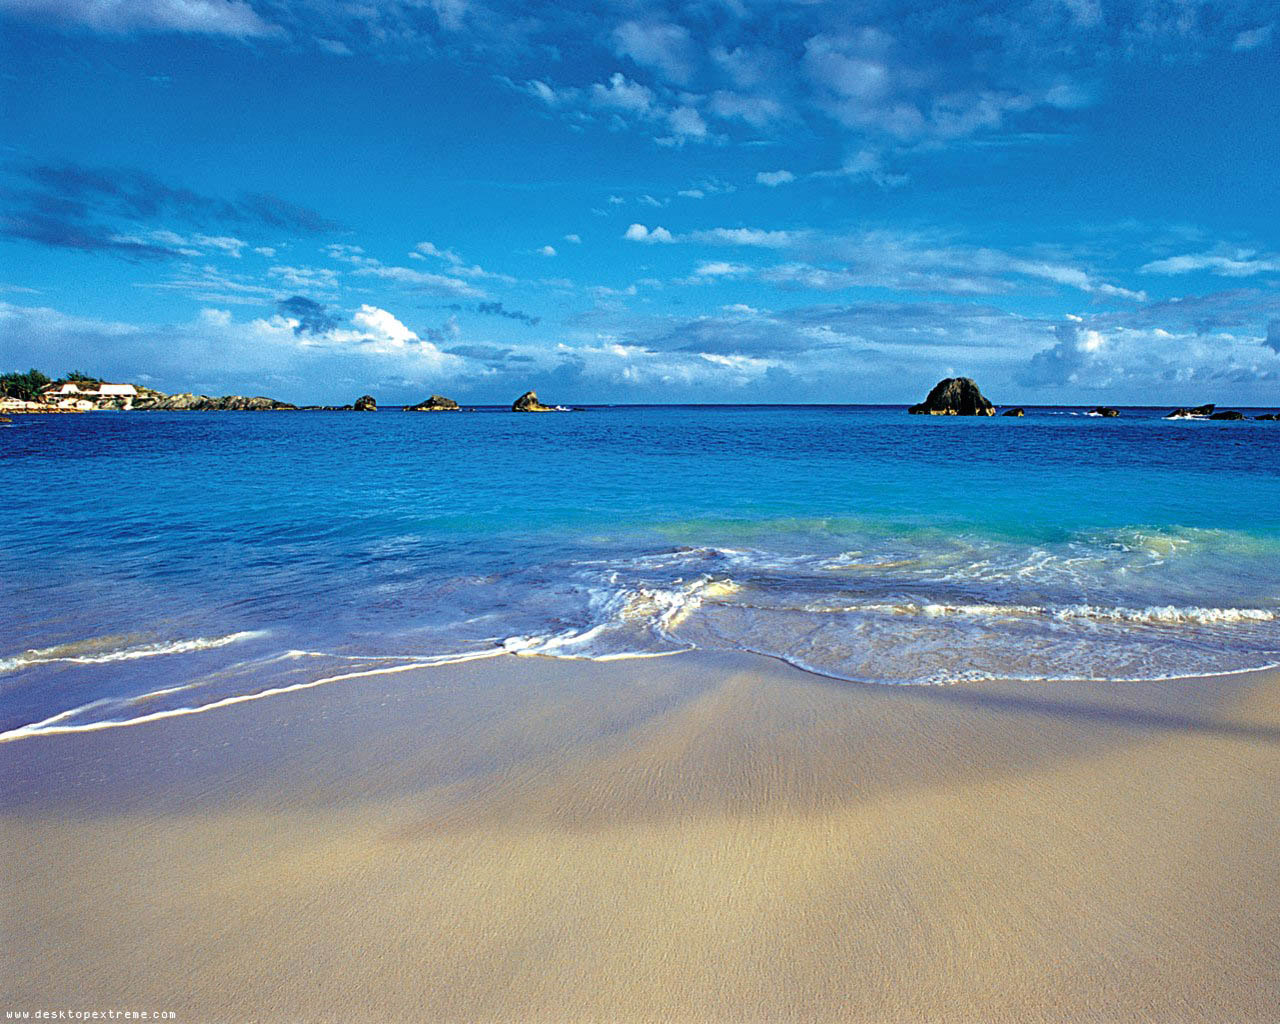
(709, 837)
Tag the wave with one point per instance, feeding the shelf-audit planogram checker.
(1166, 615)
(72, 653)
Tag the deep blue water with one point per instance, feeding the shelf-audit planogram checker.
(217, 554)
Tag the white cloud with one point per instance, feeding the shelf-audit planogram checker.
(665, 47)
(1253, 38)
(548, 250)
(687, 123)
(755, 237)
(420, 280)
(622, 94)
(574, 239)
(774, 178)
(757, 111)
(720, 268)
(206, 17)
(640, 233)
(1239, 263)
(305, 278)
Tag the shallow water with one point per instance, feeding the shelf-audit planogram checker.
(158, 562)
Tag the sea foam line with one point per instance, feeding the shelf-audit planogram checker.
(51, 655)
(47, 728)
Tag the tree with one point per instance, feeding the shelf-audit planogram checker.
(26, 386)
(82, 378)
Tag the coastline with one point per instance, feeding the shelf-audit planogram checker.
(698, 837)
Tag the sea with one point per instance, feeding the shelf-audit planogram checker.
(159, 564)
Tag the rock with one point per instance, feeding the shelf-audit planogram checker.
(1229, 414)
(365, 403)
(1269, 416)
(1186, 414)
(1017, 411)
(436, 403)
(1104, 411)
(955, 396)
(204, 403)
(5, 419)
(528, 402)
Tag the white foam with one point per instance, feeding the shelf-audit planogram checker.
(49, 726)
(61, 653)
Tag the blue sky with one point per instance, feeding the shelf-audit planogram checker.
(1070, 200)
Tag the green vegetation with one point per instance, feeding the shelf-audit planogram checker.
(25, 386)
(82, 378)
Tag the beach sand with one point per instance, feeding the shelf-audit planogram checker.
(678, 839)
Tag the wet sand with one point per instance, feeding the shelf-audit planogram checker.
(679, 839)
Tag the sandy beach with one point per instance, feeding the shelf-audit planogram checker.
(677, 839)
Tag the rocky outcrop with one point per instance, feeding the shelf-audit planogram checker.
(1269, 416)
(365, 403)
(436, 403)
(1228, 414)
(528, 402)
(1104, 411)
(1016, 411)
(205, 403)
(955, 396)
(1198, 412)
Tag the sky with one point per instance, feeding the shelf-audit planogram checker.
(1072, 201)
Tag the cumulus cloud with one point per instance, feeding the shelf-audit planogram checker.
(773, 179)
(687, 123)
(295, 353)
(640, 233)
(622, 94)
(663, 46)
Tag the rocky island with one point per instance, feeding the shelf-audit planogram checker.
(1197, 412)
(528, 402)
(954, 396)
(436, 403)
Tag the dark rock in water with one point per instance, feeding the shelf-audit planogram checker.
(5, 419)
(1105, 411)
(436, 403)
(1269, 416)
(955, 396)
(528, 402)
(1017, 411)
(1184, 414)
(365, 403)
(1229, 414)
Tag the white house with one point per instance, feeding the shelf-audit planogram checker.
(83, 394)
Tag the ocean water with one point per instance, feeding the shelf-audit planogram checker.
(156, 564)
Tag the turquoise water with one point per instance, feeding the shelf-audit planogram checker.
(156, 563)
